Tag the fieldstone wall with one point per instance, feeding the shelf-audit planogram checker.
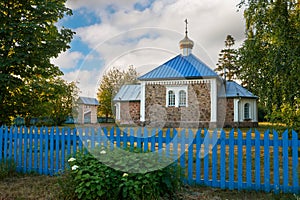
(130, 112)
(229, 118)
(196, 114)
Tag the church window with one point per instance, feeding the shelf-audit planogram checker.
(182, 98)
(177, 96)
(171, 97)
(247, 111)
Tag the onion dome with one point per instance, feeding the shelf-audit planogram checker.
(186, 44)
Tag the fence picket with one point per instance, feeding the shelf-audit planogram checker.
(10, 135)
(145, 137)
(276, 162)
(182, 148)
(20, 136)
(35, 165)
(74, 141)
(206, 143)
(190, 155)
(30, 149)
(92, 138)
(1, 142)
(15, 145)
(240, 160)
(222, 160)
(45, 151)
(5, 143)
(45, 170)
(63, 135)
(285, 160)
(52, 150)
(214, 158)
(175, 145)
(266, 162)
(160, 141)
(248, 159)
(168, 140)
(41, 150)
(138, 138)
(295, 161)
(231, 159)
(257, 160)
(112, 136)
(57, 150)
(153, 136)
(198, 156)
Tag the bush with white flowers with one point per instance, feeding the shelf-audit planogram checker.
(93, 178)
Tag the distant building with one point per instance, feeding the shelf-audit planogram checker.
(87, 110)
(185, 92)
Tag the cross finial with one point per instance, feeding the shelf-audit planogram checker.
(186, 23)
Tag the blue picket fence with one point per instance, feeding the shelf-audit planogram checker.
(233, 160)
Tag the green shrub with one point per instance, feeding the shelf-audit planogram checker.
(112, 174)
(8, 168)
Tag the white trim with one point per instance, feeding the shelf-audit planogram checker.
(142, 104)
(118, 111)
(213, 101)
(176, 90)
(239, 109)
(236, 103)
(249, 111)
(178, 82)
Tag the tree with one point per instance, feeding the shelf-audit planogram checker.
(46, 98)
(226, 65)
(28, 39)
(269, 58)
(110, 84)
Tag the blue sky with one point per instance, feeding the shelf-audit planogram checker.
(142, 33)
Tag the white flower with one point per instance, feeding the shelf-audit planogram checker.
(71, 159)
(102, 152)
(125, 174)
(74, 167)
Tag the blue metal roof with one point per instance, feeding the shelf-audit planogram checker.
(88, 101)
(180, 67)
(234, 89)
(129, 93)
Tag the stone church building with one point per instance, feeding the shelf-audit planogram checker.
(185, 92)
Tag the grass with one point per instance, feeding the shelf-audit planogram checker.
(29, 187)
(46, 187)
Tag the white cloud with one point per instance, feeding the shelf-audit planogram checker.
(87, 81)
(67, 59)
(150, 37)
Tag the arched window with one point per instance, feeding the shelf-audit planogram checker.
(171, 98)
(247, 111)
(182, 98)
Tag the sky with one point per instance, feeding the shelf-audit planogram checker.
(143, 34)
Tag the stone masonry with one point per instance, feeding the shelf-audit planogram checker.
(197, 113)
(130, 112)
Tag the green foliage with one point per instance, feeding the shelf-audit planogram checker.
(8, 168)
(97, 176)
(110, 85)
(287, 115)
(226, 64)
(269, 62)
(29, 39)
(51, 100)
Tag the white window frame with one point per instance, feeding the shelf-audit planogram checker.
(171, 99)
(182, 98)
(176, 90)
(249, 111)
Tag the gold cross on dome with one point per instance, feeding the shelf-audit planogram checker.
(186, 23)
